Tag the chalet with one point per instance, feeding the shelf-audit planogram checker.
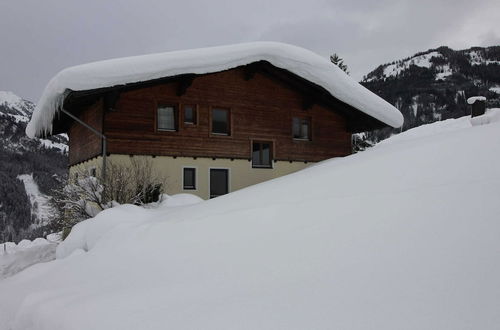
(212, 120)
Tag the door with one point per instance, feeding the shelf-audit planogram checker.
(219, 182)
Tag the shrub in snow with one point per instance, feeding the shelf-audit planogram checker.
(85, 195)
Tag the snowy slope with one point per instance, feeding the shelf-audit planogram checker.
(401, 236)
(41, 208)
(299, 61)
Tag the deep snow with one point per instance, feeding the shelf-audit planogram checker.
(402, 236)
(297, 60)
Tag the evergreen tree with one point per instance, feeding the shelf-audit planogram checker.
(338, 61)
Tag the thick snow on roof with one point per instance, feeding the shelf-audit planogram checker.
(299, 61)
(473, 99)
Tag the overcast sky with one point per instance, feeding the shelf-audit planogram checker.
(40, 37)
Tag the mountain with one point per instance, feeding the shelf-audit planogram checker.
(29, 170)
(435, 84)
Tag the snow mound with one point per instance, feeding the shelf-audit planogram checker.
(14, 258)
(180, 200)
(85, 235)
(299, 61)
(400, 236)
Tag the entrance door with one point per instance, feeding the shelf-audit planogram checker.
(219, 182)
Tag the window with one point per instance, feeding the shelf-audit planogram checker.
(261, 154)
(167, 118)
(190, 114)
(93, 172)
(220, 121)
(301, 128)
(219, 182)
(189, 178)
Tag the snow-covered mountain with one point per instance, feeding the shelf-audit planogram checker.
(434, 85)
(29, 170)
(404, 235)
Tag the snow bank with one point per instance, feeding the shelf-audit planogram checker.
(14, 258)
(401, 236)
(490, 116)
(87, 233)
(120, 71)
(22, 258)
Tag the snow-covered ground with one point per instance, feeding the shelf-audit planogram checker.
(404, 235)
(14, 258)
(40, 203)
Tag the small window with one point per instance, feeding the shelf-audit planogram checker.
(220, 121)
(189, 176)
(261, 154)
(93, 172)
(167, 118)
(301, 128)
(190, 114)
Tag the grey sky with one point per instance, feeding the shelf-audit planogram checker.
(40, 37)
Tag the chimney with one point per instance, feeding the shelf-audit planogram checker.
(478, 105)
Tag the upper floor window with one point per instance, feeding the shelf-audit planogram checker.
(190, 114)
(301, 128)
(167, 118)
(220, 121)
(261, 154)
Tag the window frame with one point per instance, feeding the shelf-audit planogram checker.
(309, 129)
(195, 187)
(195, 114)
(176, 116)
(229, 122)
(271, 153)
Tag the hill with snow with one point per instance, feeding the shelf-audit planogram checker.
(434, 85)
(401, 236)
(29, 170)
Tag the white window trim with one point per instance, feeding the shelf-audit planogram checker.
(228, 178)
(195, 178)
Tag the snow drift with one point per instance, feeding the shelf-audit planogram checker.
(299, 61)
(401, 236)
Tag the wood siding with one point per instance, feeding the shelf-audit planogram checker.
(83, 144)
(261, 108)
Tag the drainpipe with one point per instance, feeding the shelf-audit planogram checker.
(96, 132)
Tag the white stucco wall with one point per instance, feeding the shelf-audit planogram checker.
(241, 173)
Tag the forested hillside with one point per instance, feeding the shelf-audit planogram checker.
(434, 85)
(29, 170)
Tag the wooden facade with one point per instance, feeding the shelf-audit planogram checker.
(262, 102)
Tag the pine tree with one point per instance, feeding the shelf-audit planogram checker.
(338, 61)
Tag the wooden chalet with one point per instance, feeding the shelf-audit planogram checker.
(213, 132)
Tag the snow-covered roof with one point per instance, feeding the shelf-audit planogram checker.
(299, 61)
(474, 99)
